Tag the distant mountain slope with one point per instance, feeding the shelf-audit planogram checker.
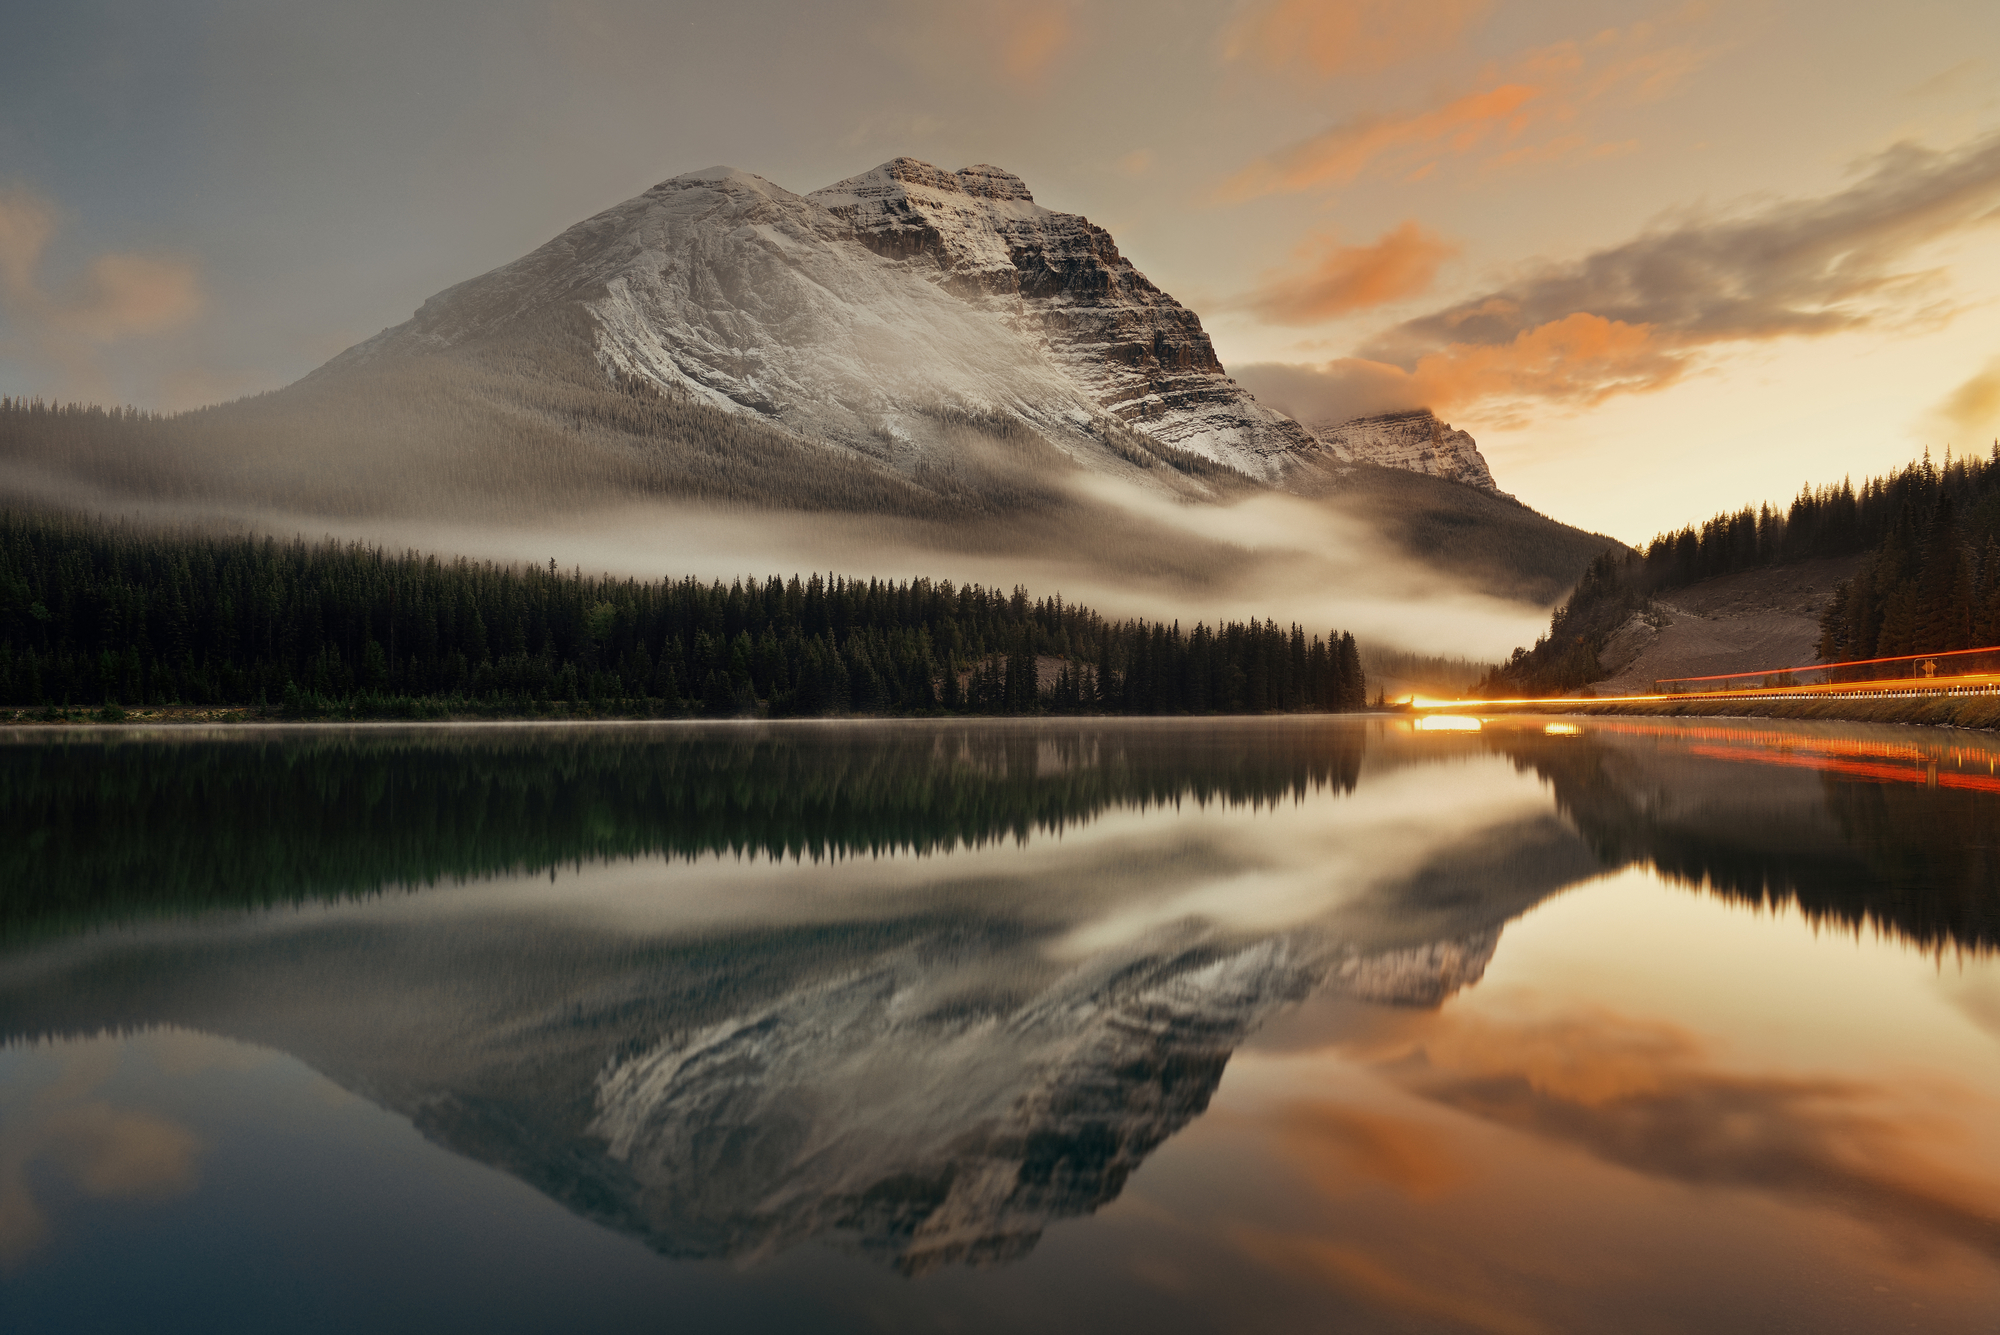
(1486, 538)
(1753, 620)
(1415, 441)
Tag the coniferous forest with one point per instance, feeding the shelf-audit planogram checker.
(1930, 583)
(105, 615)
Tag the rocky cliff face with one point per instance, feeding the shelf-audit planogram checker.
(1061, 282)
(882, 314)
(1415, 441)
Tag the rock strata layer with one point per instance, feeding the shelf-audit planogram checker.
(1060, 280)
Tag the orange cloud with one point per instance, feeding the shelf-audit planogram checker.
(118, 296)
(1652, 1097)
(1335, 1145)
(26, 225)
(1589, 1058)
(1580, 359)
(116, 1153)
(133, 294)
(1401, 263)
(1975, 405)
(1450, 1298)
(1332, 36)
(1032, 37)
(1640, 315)
(107, 1152)
(1341, 154)
(1545, 91)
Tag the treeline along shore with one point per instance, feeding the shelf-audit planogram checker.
(106, 615)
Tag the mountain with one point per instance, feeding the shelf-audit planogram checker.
(874, 315)
(910, 359)
(1415, 441)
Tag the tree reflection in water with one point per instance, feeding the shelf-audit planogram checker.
(921, 989)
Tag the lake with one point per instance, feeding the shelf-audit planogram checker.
(1154, 1025)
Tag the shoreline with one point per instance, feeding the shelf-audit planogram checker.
(1967, 712)
(274, 716)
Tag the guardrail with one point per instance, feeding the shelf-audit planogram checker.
(1955, 664)
(1902, 676)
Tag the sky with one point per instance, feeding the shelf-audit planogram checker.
(1660, 259)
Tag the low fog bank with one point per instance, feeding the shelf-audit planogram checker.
(1119, 549)
(517, 449)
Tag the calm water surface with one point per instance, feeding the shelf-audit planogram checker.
(1244, 1025)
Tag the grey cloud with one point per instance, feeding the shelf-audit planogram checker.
(1800, 267)
(1337, 392)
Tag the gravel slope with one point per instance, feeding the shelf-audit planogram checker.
(1738, 623)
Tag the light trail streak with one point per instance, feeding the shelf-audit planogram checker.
(1923, 685)
(1985, 683)
(1829, 667)
(1923, 776)
(1928, 763)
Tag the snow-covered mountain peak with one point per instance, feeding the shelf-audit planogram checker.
(906, 209)
(1415, 441)
(900, 174)
(906, 314)
(1060, 280)
(993, 183)
(718, 177)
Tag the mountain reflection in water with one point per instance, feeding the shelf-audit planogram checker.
(921, 990)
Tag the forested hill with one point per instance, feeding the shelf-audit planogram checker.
(97, 614)
(1933, 585)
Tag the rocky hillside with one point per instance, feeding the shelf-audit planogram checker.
(1745, 622)
(1415, 441)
